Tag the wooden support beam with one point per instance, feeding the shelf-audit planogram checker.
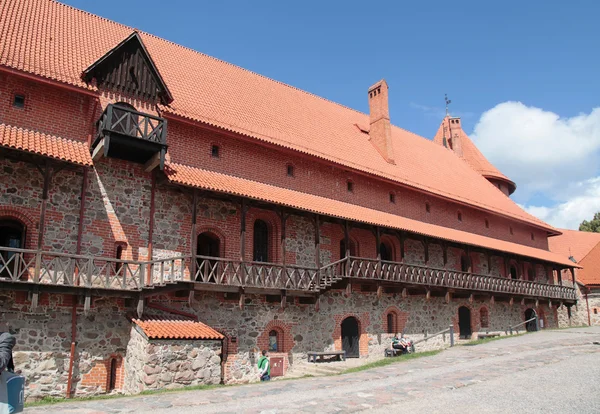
(550, 303)
(193, 235)
(283, 216)
(489, 262)
(318, 303)
(100, 150)
(347, 237)
(511, 301)
(445, 253)
(426, 249)
(471, 298)
(404, 293)
(242, 300)
(283, 299)
(523, 302)
(492, 300)
(140, 306)
(317, 223)
(191, 297)
(537, 303)
(402, 239)
(349, 289)
(379, 291)
(35, 295)
(243, 210)
(153, 162)
(87, 303)
(572, 269)
(428, 295)
(448, 297)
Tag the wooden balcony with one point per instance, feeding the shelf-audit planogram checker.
(20, 266)
(127, 134)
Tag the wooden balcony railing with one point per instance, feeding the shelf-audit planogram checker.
(31, 266)
(119, 120)
(362, 268)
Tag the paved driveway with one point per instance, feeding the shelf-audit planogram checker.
(545, 372)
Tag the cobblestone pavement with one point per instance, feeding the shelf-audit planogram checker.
(550, 371)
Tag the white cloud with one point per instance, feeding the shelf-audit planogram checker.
(538, 149)
(571, 213)
(546, 155)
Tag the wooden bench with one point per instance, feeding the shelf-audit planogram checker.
(340, 355)
(483, 336)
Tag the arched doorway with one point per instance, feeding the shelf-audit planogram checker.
(385, 250)
(465, 263)
(208, 245)
(261, 241)
(464, 322)
(532, 325)
(513, 272)
(12, 235)
(350, 337)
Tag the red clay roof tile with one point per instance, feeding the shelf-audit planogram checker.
(59, 42)
(210, 180)
(164, 328)
(48, 145)
(584, 247)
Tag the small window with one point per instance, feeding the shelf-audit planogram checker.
(215, 151)
(392, 198)
(290, 170)
(511, 230)
(427, 208)
(459, 216)
(532, 236)
(350, 186)
(273, 341)
(595, 311)
(487, 224)
(19, 101)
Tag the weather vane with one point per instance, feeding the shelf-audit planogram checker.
(448, 102)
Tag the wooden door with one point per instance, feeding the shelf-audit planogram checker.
(276, 366)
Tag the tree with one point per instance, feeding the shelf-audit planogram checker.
(592, 225)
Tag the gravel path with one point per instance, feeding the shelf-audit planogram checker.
(550, 371)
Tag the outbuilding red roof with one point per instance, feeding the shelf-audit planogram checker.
(584, 248)
(210, 180)
(155, 327)
(43, 144)
(58, 42)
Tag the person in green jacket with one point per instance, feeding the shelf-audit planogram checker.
(264, 367)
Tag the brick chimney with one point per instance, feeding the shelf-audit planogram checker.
(380, 132)
(455, 132)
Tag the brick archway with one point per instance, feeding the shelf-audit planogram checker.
(29, 224)
(399, 320)
(363, 320)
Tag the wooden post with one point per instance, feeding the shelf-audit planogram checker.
(379, 291)
(445, 253)
(426, 248)
(448, 297)
(283, 218)
(243, 230)
(347, 245)
(404, 293)
(151, 229)
(489, 262)
(194, 236)
(317, 241)
(402, 238)
(573, 274)
(378, 250)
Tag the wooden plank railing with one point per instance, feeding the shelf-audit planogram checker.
(255, 274)
(131, 123)
(363, 268)
(32, 266)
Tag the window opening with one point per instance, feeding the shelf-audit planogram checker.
(390, 323)
(350, 186)
(290, 170)
(215, 151)
(392, 198)
(261, 241)
(19, 101)
(112, 382)
(273, 341)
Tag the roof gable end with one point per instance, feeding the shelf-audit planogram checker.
(129, 68)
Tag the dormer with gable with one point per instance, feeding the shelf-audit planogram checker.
(122, 131)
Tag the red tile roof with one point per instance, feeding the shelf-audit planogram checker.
(585, 248)
(470, 153)
(163, 328)
(59, 42)
(210, 180)
(48, 145)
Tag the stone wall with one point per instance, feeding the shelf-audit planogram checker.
(158, 364)
(44, 340)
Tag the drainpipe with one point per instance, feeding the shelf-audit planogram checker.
(151, 229)
(74, 306)
(587, 291)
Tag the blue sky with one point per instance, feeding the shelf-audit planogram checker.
(486, 56)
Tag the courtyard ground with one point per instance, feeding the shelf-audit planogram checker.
(544, 372)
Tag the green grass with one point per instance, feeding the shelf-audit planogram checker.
(389, 361)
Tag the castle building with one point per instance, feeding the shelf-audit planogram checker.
(165, 215)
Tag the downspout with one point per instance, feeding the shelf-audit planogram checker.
(587, 291)
(74, 305)
(151, 230)
(78, 250)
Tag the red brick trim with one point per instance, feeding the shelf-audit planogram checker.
(215, 232)
(363, 320)
(400, 319)
(273, 224)
(30, 224)
(285, 340)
